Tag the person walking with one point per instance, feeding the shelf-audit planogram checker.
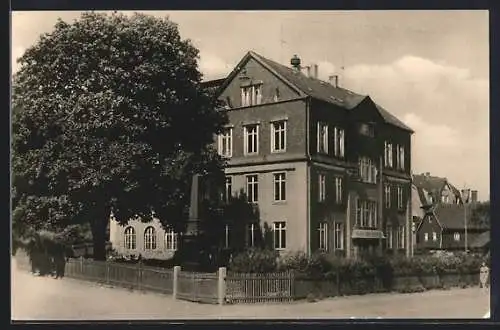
(484, 276)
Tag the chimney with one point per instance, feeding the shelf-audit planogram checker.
(334, 80)
(465, 195)
(473, 196)
(295, 62)
(308, 68)
(315, 71)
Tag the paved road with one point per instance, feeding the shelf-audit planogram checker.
(41, 298)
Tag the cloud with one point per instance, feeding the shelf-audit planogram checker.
(433, 135)
(213, 66)
(447, 107)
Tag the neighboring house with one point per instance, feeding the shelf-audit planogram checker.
(441, 225)
(326, 168)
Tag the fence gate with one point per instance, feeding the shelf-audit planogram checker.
(198, 287)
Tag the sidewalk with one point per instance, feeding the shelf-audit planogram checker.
(43, 298)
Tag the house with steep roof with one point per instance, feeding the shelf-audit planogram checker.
(327, 169)
(444, 211)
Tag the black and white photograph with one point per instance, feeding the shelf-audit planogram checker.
(242, 165)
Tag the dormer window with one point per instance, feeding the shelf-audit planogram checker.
(251, 95)
(367, 129)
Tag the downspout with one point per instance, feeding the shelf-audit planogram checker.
(408, 229)
(381, 200)
(308, 178)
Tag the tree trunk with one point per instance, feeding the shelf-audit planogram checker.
(98, 227)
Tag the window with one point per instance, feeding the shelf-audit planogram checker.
(426, 237)
(387, 193)
(251, 234)
(322, 187)
(366, 129)
(338, 190)
(456, 236)
(389, 239)
(253, 188)
(171, 240)
(388, 154)
(251, 139)
(400, 156)
(401, 237)
(367, 170)
(434, 236)
(278, 136)
(339, 138)
(251, 95)
(130, 238)
(339, 236)
(229, 188)
(225, 142)
(323, 137)
(276, 96)
(149, 239)
(323, 236)
(366, 214)
(279, 229)
(400, 197)
(280, 186)
(226, 236)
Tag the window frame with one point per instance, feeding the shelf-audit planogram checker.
(323, 236)
(322, 138)
(279, 228)
(251, 136)
(282, 134)
(321, 187)
(226, 140)
(253, 181)
(338, 228)
(171, 240)
(150, 238)
(279, 181)
(130, 238)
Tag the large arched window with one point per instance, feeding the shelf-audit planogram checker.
(130, 238)
(149, 238)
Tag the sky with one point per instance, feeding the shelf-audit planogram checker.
(428, 68)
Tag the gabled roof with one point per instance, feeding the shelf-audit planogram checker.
(452, 216)
(427, 184)
(317, 89)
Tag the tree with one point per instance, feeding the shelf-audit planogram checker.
(481, 215)
(109, 116)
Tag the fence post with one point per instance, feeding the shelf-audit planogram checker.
(221, 294)
(81, 266)
(107, 272)
(139, 274)
(177, 270)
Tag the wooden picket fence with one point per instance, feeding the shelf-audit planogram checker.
(255, 288)
(137, 276)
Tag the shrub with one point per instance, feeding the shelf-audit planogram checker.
(315, 266)
(255, 261)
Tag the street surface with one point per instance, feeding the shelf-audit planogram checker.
(45, 298)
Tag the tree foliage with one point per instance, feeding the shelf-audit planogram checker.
(109, 115)
(481, 215)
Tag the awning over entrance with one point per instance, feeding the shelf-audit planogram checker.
(368, 233)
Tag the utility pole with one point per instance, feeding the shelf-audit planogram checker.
(465, 198)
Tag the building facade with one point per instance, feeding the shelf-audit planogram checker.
(444, 222)
(327, 169)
